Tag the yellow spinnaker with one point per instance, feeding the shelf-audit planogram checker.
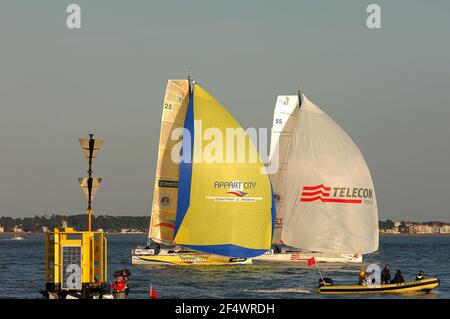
(224, 208)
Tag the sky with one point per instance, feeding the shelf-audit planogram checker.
(388, 88)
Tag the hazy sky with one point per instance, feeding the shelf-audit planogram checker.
(388, 88)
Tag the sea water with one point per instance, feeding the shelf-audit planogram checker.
(22, 266)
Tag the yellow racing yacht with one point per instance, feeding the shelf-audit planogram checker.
(217, 212)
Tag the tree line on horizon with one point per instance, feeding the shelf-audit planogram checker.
(78, 222)
(389, 224)
(113, 223)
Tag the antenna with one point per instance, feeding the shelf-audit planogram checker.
(300, 99)
(189, 83)
(189, 79)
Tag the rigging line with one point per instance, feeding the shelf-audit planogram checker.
(372, 255)
(284, 159)
(286, 151)
(296, 201)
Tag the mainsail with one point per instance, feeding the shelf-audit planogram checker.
(326, 195)
(282, 128)
(165, 193)
(224, 208)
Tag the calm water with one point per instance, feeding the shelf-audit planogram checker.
(22, 263)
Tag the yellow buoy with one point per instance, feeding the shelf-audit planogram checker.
(75, 264)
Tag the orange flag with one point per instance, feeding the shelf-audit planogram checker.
(311, 261)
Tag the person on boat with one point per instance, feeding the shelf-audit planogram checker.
(362, 278)
(149, 243)
(178, 248)
(153, 245)
(385, 275)
(157, 249)
(119, 288)
(420, 275)
(398, 278)
(125, 273)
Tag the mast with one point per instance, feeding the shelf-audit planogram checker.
(89, 210)
(190, 86)
(189, 83)
(300, 100)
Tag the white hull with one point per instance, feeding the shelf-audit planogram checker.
(294, 256)
(17, 238)
(142, 256)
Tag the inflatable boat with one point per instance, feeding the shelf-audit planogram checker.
(424, 285)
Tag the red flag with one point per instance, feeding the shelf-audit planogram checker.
(311, 261)
(153, 294)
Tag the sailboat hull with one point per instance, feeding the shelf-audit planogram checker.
(270, 256)
(190, 258)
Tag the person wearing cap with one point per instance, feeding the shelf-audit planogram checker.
(385, 275)
(420, 275)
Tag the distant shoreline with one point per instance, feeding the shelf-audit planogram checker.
(413, 235)
(41, 233)
(142, 233)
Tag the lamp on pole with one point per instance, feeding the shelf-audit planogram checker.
(90, 184)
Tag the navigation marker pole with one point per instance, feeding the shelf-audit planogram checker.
(90, 184)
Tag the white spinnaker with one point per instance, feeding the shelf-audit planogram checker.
(330, 203)
(282, 128)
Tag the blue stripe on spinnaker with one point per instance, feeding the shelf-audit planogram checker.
(185, 169)
(274, 210)
(228, 250)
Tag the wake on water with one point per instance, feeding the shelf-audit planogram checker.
(282, 290)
